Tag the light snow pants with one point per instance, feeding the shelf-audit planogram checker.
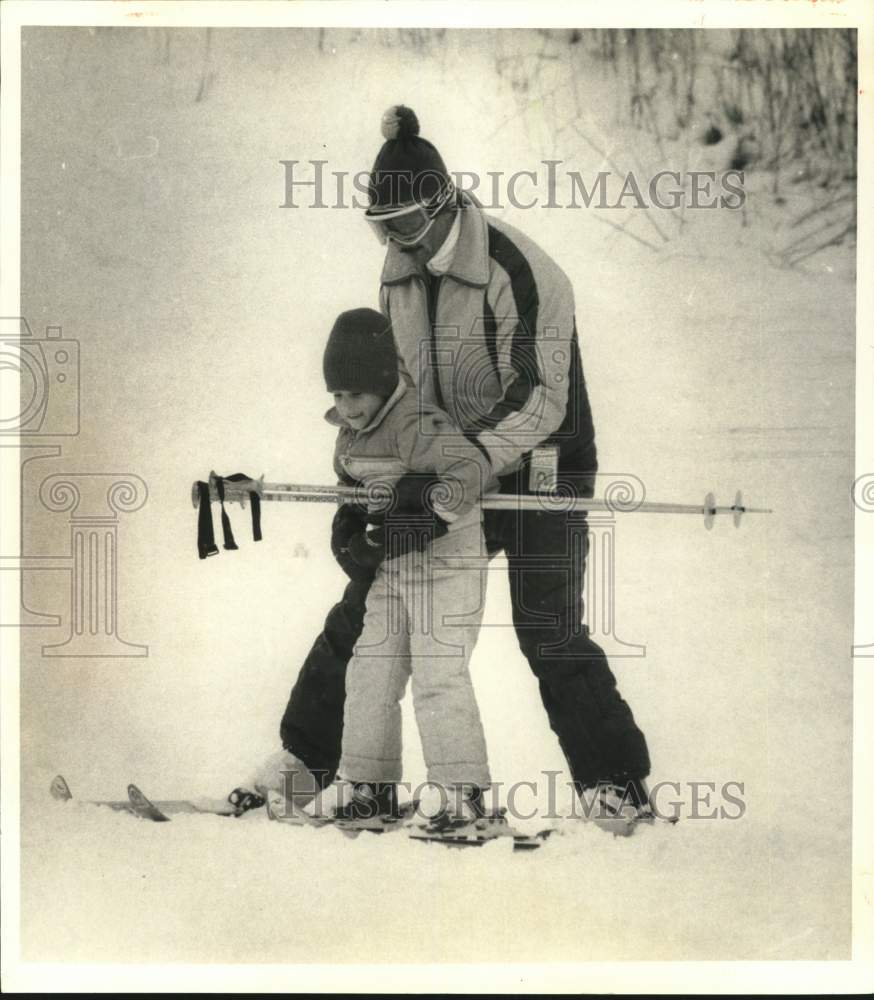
(547, 559)
(422, 620)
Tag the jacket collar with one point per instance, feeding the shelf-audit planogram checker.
(442, 260)
(333, 415)
(470, 263)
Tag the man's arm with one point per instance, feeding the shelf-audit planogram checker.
(532, 315)
(428, 442)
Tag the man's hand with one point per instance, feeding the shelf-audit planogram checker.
(401, 533)
(411, 525)
(413, 494)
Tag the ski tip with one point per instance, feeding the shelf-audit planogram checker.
(143, 807)
(59, 789)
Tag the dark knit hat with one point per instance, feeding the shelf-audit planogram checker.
(408, 168)
(361, 354)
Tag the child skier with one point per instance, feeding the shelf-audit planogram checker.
(424, 607)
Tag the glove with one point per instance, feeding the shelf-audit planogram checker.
(401, 533)
(411, 493)
(410, 510)
(349, 521)
(410, 496)
(413, 510)
(367, 549)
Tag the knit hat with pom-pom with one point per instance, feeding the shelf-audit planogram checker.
(361, 354)
(408, 168)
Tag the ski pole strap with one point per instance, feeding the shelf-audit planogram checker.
(255, 501)
(229, 542)
(205, 538)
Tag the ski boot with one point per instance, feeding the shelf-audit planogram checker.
(462, 819)
(284, 773)
(354, 806)
(282, 776)
(618, 808)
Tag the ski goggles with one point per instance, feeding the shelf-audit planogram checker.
(407, 225)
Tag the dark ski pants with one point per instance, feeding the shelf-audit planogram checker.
(546, 552)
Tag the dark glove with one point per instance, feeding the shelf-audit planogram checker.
(401, 533)
(367, 549)
(349, 521)
(412, 493)
(412, 524)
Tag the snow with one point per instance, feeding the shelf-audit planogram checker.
(202, 308)
(258, 891)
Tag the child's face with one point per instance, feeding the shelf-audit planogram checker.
(358, 408)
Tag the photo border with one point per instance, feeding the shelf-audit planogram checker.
(856, 975)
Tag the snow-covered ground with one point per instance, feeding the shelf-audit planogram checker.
(151, 231)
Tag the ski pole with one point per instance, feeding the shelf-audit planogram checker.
(556, 502)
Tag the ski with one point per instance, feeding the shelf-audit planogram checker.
(625, 826)
(277, 810)
(479, 832)
(161, 810)
(478, 838)
(474, 834)
(60, 791)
